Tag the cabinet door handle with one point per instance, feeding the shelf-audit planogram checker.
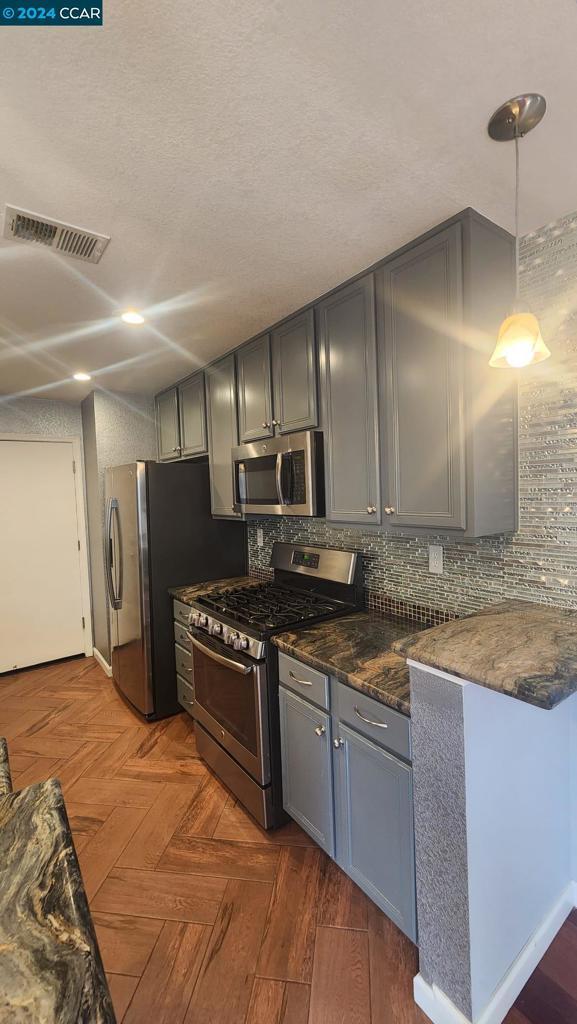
(276, 423)
(303, 682)
(389, 510)
(369, 721)
(338, 743)
(266, 425)
(320, 730)
(371, 509)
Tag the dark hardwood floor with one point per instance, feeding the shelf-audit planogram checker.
(203, 918)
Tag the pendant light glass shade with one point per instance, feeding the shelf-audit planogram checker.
(519, 343)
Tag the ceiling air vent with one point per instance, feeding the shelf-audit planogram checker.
(54, 234)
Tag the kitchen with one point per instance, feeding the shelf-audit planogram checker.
(304, 579)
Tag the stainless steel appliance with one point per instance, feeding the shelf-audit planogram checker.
(159, 533)
(280, 477)
(235, 666)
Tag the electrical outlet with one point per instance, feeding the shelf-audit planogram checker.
(259, 537)
(436, 558)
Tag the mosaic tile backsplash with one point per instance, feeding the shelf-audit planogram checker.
(539, 563)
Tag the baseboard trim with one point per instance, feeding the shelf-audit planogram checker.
(441, 1010)
(102, 661)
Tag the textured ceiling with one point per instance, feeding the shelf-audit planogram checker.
(247, 156)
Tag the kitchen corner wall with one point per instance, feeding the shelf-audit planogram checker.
(538, 563)
(117, 428)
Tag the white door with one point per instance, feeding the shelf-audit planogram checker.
(40, 575)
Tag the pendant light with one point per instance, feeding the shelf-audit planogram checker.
(519, 342)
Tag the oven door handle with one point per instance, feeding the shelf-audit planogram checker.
(236, 666)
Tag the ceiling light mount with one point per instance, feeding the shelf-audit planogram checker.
(517, 117)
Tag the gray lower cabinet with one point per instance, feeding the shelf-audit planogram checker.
(222, 433)
(167, 426)
(294, 370)
(349, 387)
(192, 413)
(375, 844)
(352, 794)
(307, 776)
(254, 390)
(423, 319)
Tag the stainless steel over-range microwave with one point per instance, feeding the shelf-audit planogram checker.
(280, 477)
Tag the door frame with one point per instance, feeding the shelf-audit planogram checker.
(79, 485)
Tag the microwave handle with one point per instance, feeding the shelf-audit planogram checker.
(280, 495)
(283, 498)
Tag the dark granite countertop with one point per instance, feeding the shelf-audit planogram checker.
(50, 966)
(525, 650)
(5, 778)
(357, 650)
(190, 593)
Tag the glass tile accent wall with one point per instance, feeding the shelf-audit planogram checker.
(539, 563)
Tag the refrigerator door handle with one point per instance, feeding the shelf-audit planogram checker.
(115, 602)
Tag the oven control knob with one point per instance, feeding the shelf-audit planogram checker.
(215, 629)
(230, 638)
(195, 618)
(202, 619)
(240, 643)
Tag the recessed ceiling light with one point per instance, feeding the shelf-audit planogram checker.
(82, 376)
(132, 317)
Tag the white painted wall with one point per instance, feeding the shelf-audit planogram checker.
(519, 827)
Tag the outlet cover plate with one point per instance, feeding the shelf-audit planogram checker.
(436, 559)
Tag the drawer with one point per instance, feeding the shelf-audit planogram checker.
(371, 718)
(181, 636)
(183, 663)
(182, 612)
(308, 682)
(185, 694)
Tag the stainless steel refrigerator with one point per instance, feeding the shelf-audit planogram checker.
(159, 533)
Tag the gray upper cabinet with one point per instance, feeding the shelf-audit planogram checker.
(423, 321)
(348, 364)
(294, 367)
(167, 426)
(254, 390)
(192, 408)
(448, 420)
(306, 767)
(375, 843)
(222, 433)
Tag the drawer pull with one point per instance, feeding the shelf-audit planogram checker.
(303, 682)
(369, 721)
(183, 668)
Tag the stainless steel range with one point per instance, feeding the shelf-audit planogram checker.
(235, 666)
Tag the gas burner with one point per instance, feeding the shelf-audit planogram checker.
(267, 607)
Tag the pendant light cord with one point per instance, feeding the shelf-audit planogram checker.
(516, 220)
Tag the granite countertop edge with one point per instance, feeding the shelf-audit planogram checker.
(348, 678)
(520, 649)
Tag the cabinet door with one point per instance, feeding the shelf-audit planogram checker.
(349, 385)
(222, 434)
(375, 844)
(295, 374)
(424, 384)
(254, 390)
(307, 779)
(167, 427)
(191, 403)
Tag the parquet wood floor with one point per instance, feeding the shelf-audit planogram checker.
(201, 917)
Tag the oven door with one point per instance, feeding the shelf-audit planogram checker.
(231, 702)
